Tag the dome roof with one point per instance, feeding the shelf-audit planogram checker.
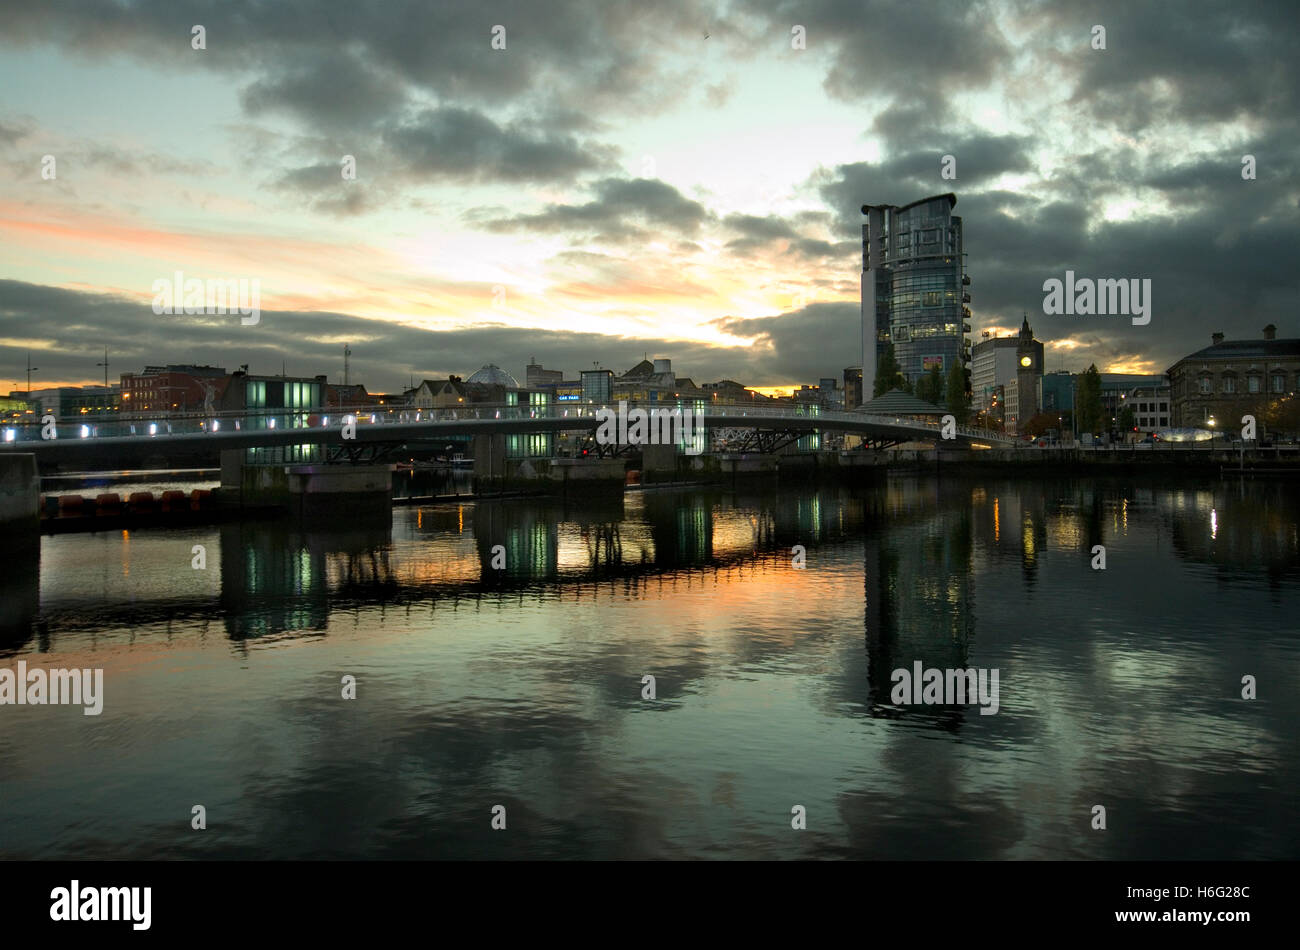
(495, 376)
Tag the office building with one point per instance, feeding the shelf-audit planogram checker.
(915, 289)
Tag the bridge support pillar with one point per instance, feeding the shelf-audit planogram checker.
(20, 496)
(20, 526)
(589, 473)
(342, 491)
(749, 463)
(312, 491)
(490, 462)
(658, 463)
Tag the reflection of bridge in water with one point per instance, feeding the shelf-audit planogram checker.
(278, 577)
(128, 441)
(918, 544)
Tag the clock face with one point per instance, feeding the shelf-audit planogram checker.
(1026, 361)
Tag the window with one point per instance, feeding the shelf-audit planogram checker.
(1164, 420)
(1252, 384)
(1279, 383)
(1205, 385)
(1229, 384)
(932, 298)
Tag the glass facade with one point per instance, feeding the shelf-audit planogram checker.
(281, 404)
(914, 287)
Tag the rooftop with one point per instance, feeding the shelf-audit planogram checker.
(898, 403)
(1246, 349)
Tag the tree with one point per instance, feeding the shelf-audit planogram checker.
(958, 392)
(888, 374)
(1042, 422)
(1127, 419)
(930, 386)
(1087, 402)
(1282, 415)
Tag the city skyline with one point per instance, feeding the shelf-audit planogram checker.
(586, 193)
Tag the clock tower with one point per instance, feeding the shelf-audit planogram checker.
(1029, 373)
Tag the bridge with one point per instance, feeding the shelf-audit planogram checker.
(373, 433)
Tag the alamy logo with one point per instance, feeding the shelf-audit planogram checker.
(935, 687)
(191, 295)
(1086, 297)
(103, 903)
(656, 427)
(41, 687)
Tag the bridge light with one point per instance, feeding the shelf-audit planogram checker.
(10, 434)
(85, 432)
(326, 422)
(216, 424)
(153, 428)
(271, 423)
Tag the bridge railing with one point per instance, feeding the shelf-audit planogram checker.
(146, 425)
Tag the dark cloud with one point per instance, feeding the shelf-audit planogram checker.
(757, 233)
(1210, 63)
(913, 55)
(11, 133)
(340, 92)
(622, 210)
(357, 61)
(804, 338)
(467, 146)
(68, 329)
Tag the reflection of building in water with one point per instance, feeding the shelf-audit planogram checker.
(528, 535)
(919, 598)
(681, 526)
(1238, 526)
(270, 581)
(20, 590)
(1011, 519)
(275, 578)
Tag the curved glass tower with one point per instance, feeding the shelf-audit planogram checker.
(915, 291)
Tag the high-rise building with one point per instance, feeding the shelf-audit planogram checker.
(852, 387)
(915, 289)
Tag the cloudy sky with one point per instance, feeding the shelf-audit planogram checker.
(666, 178)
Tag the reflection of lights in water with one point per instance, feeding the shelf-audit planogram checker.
(1027, 538)
(997, 525)
(1214, 524)
(1125, 515)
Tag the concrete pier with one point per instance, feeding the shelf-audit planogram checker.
(308, 490)
(20, 526)
(20, 495)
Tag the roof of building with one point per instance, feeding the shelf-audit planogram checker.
(435, 386)
(898, 403)
(644, 368)
(952, 201)
(494, 375)
(1245, 349)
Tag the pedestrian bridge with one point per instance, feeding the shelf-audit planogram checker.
(139, 438)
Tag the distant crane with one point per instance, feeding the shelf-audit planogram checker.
(347, 366)
(105, 365)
